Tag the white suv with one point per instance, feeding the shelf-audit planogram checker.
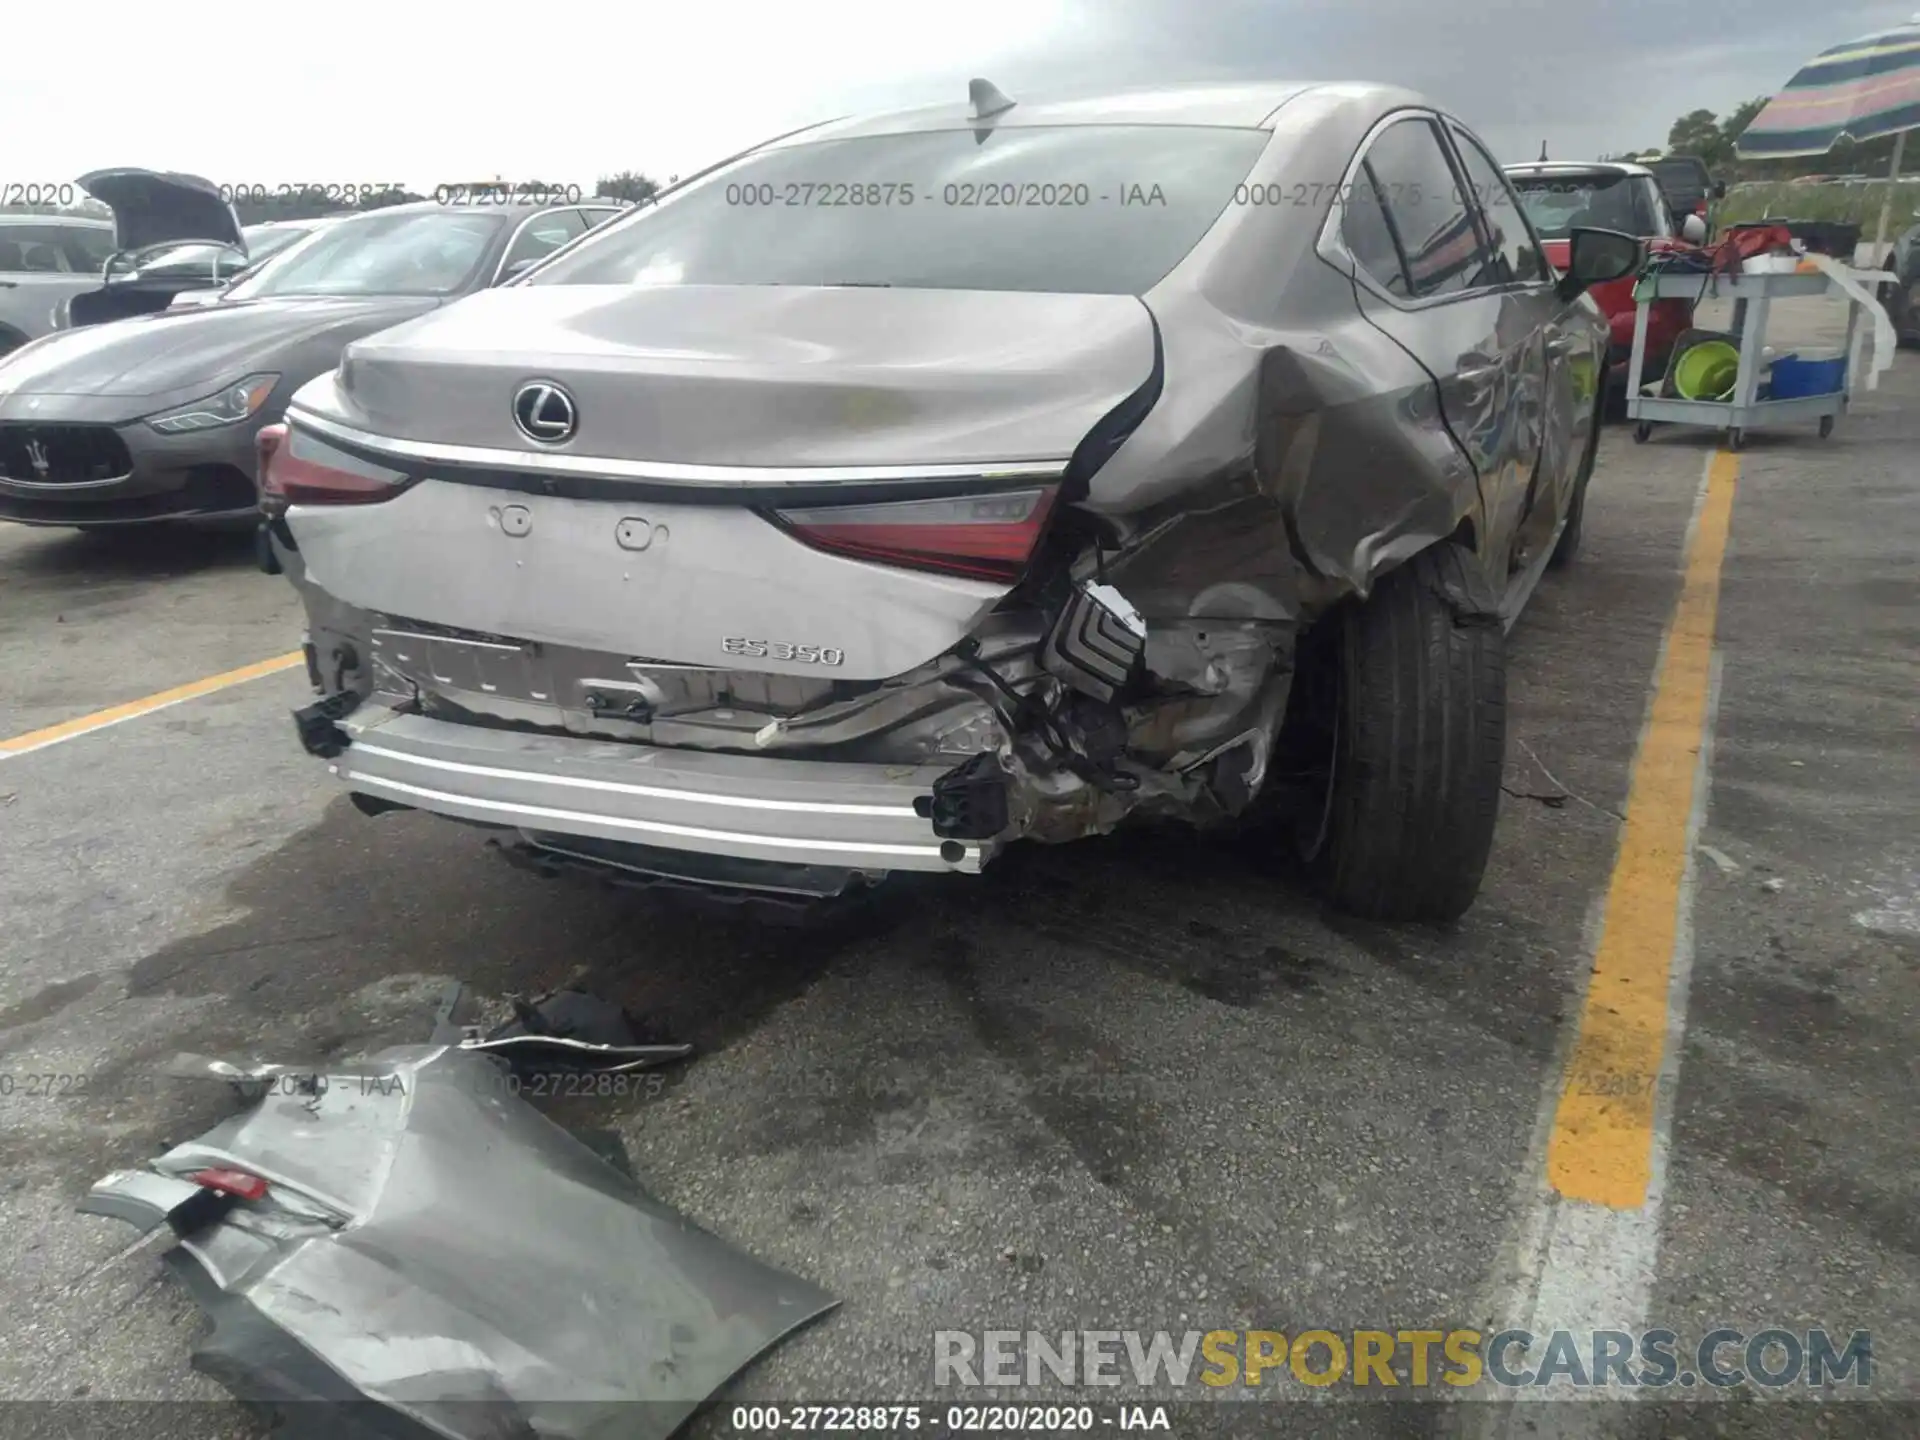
(45, 259)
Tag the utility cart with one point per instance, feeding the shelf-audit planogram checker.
(1752, 294)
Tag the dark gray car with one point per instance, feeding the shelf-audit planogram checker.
(1902, 298)
(154, 418)
(914, 485)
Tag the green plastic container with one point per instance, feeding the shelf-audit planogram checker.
(1707, 371)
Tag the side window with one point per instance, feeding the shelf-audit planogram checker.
(89, 249)
(542, 235)
(1425, 207)
(1516, 254)
(1369, 236)
(38, 249)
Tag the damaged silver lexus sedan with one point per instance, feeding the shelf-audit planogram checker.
(909, 486)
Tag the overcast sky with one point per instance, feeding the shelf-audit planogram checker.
(421, 91)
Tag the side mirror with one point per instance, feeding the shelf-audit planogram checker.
(1719, 189)
(1597, 256)
(517, 269)
(1693, 230)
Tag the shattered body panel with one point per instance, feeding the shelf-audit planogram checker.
(431, 1244)
(1254, 440)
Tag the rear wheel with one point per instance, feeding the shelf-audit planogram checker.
(1418, 742)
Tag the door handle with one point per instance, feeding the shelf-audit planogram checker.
(9, 284)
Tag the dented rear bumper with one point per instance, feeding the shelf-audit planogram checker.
(862, 817)
(424, 1254)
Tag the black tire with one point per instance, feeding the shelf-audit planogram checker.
(1641, 430)
(1419, 747)
(10, 340)
(1568, 545)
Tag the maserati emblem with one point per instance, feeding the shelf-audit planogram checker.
(37, 457)
(545, 413)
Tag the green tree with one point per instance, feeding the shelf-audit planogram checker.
(629, 185)
(1698, 133)
(1742, 116)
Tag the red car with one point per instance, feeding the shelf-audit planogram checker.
(1560, 194)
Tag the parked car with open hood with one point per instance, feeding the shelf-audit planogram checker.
(1181, 453)
(171, 233)
(1561, 196)
(154, 418)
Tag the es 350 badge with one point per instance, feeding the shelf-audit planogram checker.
(781, 650)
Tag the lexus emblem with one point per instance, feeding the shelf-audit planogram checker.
(545, 413)
(37, 457)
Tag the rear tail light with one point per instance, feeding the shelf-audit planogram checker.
(266, 442)
(242, 1184)
(296, 469)
(986, 537)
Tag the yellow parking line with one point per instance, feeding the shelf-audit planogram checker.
(1601, 1148)
(113, 715)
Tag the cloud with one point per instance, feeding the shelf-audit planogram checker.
(357, 91)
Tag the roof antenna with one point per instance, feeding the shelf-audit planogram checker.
(986, 99)
(1543, 150)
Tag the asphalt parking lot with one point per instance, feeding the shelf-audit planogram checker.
(1143, 1083)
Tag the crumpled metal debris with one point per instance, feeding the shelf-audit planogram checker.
(432, 1256)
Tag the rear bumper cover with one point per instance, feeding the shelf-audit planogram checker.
(866, 817)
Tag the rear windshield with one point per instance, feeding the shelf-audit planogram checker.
(1072, 209)
(1685, 181)
(1556, 204)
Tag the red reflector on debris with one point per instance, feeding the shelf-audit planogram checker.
(232, 1182)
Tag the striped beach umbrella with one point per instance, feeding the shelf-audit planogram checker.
(1858, 91)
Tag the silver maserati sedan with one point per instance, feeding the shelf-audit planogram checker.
(912, 485)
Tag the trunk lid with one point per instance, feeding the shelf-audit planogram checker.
(771, 376)
(151, 207)
(702, 413)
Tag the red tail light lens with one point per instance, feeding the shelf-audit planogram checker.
(985, 537)
(242, 1183)
(297, 469)
(268, 439)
